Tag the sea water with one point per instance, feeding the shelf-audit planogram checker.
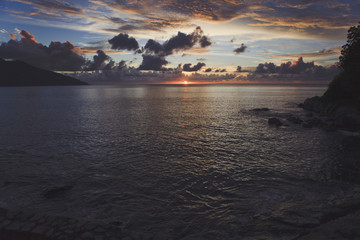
(192, 162)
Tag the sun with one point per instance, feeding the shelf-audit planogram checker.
(186, 82)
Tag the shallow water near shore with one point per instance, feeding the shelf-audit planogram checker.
(181, 161)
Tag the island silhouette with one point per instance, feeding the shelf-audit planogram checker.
(18, 73)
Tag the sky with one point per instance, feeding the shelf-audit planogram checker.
(209, 41)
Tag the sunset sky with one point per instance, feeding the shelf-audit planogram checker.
(215, 35)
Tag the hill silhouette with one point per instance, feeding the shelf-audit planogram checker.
(341, 101)
(18, 73)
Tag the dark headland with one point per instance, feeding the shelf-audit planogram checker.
(341, 101)
(17, 73)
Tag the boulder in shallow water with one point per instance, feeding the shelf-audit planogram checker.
(260, 109)
(274, 121)
(315, 122)
(313, 104)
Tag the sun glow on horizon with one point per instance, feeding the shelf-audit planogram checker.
(186, 82)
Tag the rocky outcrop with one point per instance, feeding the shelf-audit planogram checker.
(340, 116)
(275, 122)
(313, 104)
(260, 109)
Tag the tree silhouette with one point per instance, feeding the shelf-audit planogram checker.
(350, 53)
(345, 88)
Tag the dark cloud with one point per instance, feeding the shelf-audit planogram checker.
(205, 41)
(147, 23)
(292, 71)
(152, 62)
(124, 42)
(207, 10)
(99, 61)
(295, 67)
(110, 65)
(220, 70)
(238, 69)
(208, 70)
(240, 49)
(156, 52)
(177, 43)
(319, 19)
(322, 53)
(57, 56)
(122, 65)
(153, 46)
(187, 67)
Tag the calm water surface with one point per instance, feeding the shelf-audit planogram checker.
(182, 161)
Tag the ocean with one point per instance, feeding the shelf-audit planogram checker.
(189, 162)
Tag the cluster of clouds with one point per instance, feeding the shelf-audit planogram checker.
(316, 18)
(67, 57)
(57, 56)
(154, 53)
(296, 71)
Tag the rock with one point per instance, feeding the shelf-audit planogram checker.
(330, 128)
(346, 117)
(260, 110)
(306, 125)
(295, 120)
(313, 104)
(315, 122)
(352, 142)
(275, 121)
(309, 114)
(87, 235)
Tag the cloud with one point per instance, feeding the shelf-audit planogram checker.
(12, 36)
(292, 71)
(152, 62)
(187, 67)
(295, 67)
(240, 49)
(99, 61)
(123, 42)
(27, 36)
(63, 6)
(208, 70)
(146, 23)
(156, 52)
(179, 42)
(56, 56)
(154, 47)
(3, 31)
(316, 19)
(238, 69)
(322, 53)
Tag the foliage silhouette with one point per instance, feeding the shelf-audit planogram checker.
(345, 88)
